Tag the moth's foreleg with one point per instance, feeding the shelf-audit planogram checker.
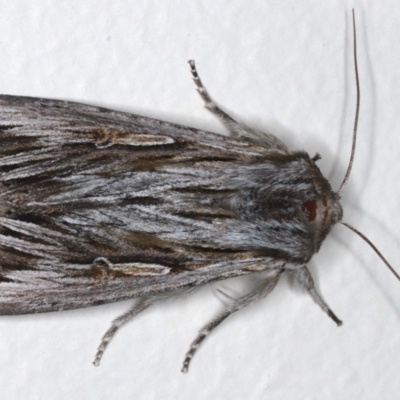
(257, 294)
(138, 307)
(236, 129)
(304, 279)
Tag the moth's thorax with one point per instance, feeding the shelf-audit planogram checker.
(280, 205)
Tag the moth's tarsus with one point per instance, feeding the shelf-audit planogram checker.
(234, 126)
(335, 318)
(261, 291)
(138, 307)
(236, 129)
(304, 280)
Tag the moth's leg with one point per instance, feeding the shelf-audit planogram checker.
(138, 307)
(257, 294)
(304, 279)
(237, 129)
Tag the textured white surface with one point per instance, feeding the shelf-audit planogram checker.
(284, 66)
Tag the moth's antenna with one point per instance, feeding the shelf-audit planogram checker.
(353, 146)
(373, 247)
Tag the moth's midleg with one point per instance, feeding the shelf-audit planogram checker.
(261, 291)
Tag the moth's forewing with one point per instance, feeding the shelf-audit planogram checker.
(100, 206)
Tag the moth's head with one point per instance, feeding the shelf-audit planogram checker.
(322, 213)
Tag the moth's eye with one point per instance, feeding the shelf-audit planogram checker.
(310, 208)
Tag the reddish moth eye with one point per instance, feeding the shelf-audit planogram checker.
(310, 208)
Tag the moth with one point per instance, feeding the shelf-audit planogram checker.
(99, 206)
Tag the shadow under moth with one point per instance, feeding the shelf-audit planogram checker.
(99, 206)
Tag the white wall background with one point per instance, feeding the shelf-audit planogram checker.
(284, 66)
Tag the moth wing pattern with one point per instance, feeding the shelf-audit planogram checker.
(99, 205)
